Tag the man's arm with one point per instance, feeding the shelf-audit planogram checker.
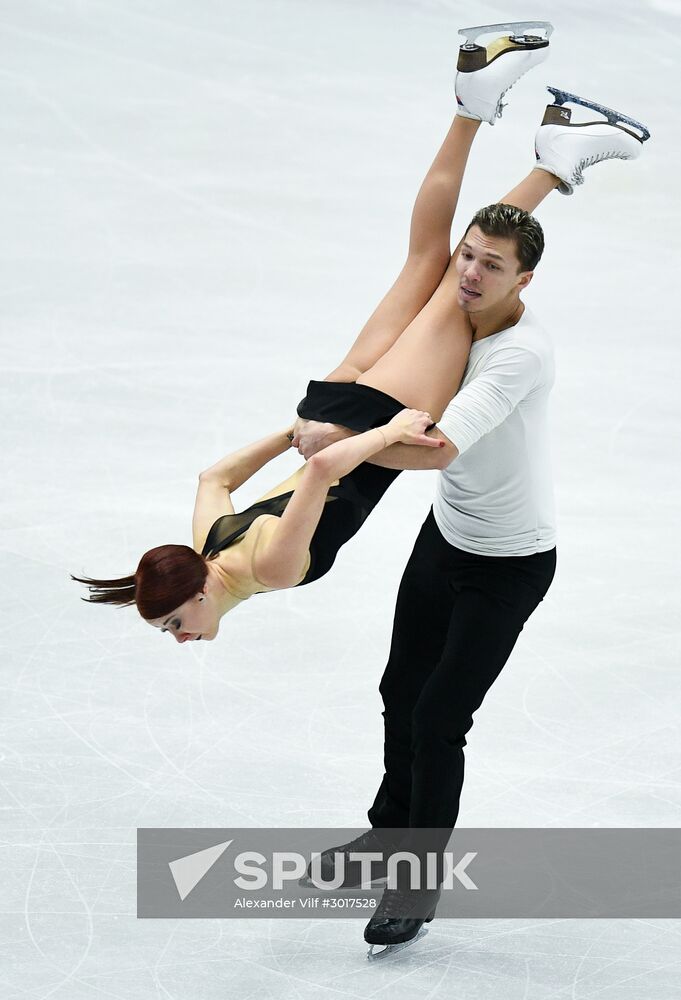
(475, 410)
(314, 437)
(404, 456)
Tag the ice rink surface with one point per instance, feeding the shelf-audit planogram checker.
(201, 205)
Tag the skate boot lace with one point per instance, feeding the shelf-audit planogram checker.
(588, 161)
(500, 106)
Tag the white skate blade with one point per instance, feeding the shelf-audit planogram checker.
(392, 949)
(517, 29)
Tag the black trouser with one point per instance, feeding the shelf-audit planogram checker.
(457, 619)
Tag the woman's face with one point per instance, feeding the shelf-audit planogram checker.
(195, 619)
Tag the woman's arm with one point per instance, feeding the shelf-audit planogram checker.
(234, 470)
(215, 484)
(400, 456)
(283, 544)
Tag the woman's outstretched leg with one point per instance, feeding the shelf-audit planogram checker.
(486, 71)
(425, 365)
(428, 257)
(532, 190)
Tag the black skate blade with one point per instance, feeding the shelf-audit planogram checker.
(517, 30)
(612, 117)
(392, 949)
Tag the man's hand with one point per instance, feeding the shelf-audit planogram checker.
(311, 436)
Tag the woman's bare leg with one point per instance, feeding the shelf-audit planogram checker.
(428, 258)
(424, 367)
(532, 190)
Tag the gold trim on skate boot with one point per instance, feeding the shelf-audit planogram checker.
(475, 57)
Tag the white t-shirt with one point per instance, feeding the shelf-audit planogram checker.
(496, 497)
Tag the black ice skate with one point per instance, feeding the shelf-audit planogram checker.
(399, 919)
(334, 859)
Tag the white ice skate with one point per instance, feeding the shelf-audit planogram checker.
(565, 148)
(486, 72)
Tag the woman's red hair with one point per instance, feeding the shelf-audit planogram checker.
(166, 577)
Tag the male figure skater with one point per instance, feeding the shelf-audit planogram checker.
(485, 556)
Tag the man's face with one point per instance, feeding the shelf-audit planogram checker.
(488, 272)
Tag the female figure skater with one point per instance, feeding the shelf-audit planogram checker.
(395, 382)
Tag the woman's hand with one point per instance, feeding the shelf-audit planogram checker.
(409, 427)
